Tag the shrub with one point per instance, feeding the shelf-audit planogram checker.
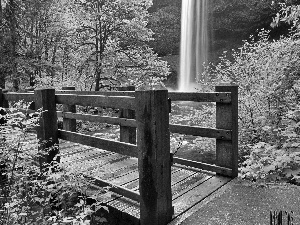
(34, 197)
(267, 73)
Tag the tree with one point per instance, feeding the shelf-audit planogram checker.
(115, 35)
(165, 23)
(91, 44)
(289, 13)
(31, 34)
(9, 40)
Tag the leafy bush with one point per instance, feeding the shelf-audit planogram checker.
(32, 197)
(267, 73)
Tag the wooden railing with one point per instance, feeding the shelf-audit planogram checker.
(146, 112)
(225, 133)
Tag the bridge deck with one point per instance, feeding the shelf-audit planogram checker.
(189, 185)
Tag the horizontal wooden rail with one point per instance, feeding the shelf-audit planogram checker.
(201, 131)
(115, 188)
(113, 146)
(123, 102)
(61, 95)
(96, 118)
(28, 97)
(223, 97)
(203, 166)
(106, 93)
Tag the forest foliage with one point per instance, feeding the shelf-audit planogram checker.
(90, 44)
(95, 44)
(267, 72)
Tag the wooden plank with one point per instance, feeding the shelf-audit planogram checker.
(127, 133)
(129, 209)
(99, 119)
(87, 166)
(203, 166)
(116, 188)
(65, 152)
(108, 171)
(115, 160)
(227, 118)
(184, 186)
(47, 131)
(132, 208)
(126, 178)
(27, 97)
(123, 102)
(135, 183)
(180, 175)
(3, 101)
(201, 131)
(224, 97)
(130, 181)
(113, 146)
(107, 93)
(152, 115)
(197, 194)
(85, 156)
(69, 124)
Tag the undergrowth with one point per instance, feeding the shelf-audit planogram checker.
(56, 195)
(267, 73)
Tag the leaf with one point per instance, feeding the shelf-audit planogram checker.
(68, 219)
(269, 168)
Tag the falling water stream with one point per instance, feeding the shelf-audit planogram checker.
(194, 43)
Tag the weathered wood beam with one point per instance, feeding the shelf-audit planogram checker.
(99, 119)
(152, 115)
(11, 96)
(106, 93)
(127, 133)
(203, 166)
(134, 195)
(97, 100)
(113, 146)
(47, 131)
(227, 118)
(201, 131)
(69, 124)
(201, 97)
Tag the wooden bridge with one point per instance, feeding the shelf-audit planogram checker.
(150, 185)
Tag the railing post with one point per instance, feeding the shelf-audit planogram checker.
(127, 134)
(227, 118)
(69, 124)
(153, 141)
(47, 130)
(3, 102)
(1, 99)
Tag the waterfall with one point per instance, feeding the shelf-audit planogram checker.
(194, 43)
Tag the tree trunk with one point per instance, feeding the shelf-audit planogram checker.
(2, 74)
(12, 17)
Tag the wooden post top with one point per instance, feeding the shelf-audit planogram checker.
(3, 90)
(227, 84)
(126, 88)
(68, 88)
